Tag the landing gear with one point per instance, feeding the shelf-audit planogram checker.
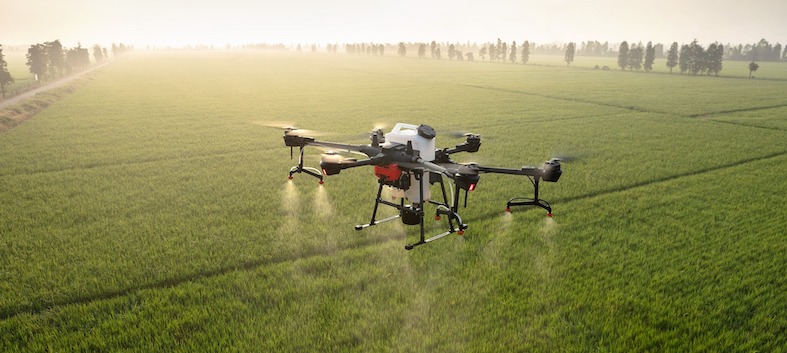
(413, 214)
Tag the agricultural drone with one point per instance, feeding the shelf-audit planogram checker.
(406, 161)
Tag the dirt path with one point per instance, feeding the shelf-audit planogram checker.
(54, 84)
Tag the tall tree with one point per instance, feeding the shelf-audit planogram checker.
(5, 76)
(422, 50)
(499, 50)
(37, 61)
(56, 56)
(77, 59)
(492, 52)
(402, 49)
(570, 50)
(98, 54)
(623, 55)
(714, 57)
(697, 58)
(503, 52)
(672, 56)
(658, 50)
(650, 57)
(482, 52)
(777, 52)
(635, 57)
(525, 52)
(512, 57)
(684, 61)
(451, 51)
(433, 49)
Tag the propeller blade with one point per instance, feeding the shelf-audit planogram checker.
(331, 157)
(290, 128)
(566, 158)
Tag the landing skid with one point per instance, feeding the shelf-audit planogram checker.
(414, 213)
(534, 201)
(306, 170)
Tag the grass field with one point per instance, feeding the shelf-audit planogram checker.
(149, 210)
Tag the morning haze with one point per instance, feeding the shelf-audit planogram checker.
(178, 23)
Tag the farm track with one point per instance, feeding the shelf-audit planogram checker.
(35, 309)
(49, 85)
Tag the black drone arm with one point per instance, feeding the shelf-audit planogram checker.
(471, 145)
(292, 139)
(339, 147)
(549, 171)
(334, 167)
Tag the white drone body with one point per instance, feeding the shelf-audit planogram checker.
(422, 138)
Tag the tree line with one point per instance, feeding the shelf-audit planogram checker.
(5, 77)
(690, 58)
(50, 59)
(493, 51)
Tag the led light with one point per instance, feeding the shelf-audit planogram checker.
(472, 187)
(324, 172)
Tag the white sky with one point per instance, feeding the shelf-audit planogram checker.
(182, 22)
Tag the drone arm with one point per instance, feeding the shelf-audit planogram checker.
(549, 171)
(365, 149)
(332, 168)
(531, 171)
(471, 145)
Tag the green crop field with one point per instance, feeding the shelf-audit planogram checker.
(150, 210)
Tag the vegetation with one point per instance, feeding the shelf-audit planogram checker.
(623, 55)
(650, 57)
(149, 210)
(672, 57)
(5, 76)
(570, 51)
(525, 52)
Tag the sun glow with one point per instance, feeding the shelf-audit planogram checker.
(164, 23)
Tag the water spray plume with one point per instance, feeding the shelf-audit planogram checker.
(322, 204)
(290, 198)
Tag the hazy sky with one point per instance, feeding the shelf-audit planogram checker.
(177, 23)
